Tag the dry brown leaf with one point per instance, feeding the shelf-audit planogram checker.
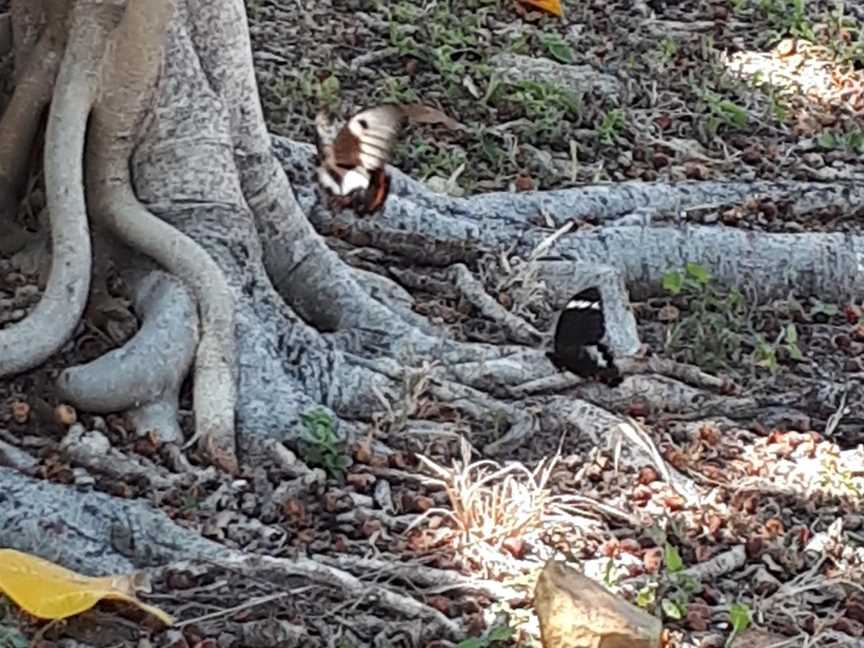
(423, 114)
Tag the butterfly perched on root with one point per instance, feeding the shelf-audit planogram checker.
(580, 340)
(351, 160)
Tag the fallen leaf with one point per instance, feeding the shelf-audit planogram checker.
(550, 6)
(48, 591)
(422, 114)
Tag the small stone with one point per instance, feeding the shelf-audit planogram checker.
(719, 12)
(20, 411)
(15, 279)
(668, 313)
(660, 160)
(786, 47)
(752, 154)
(523, 183)
(65, 415)
(814, 160)
(695, 171)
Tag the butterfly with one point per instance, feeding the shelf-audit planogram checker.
(579, 344)
(351, 165)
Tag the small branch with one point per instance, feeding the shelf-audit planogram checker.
(689, 374)
(92, 450)
(516, 328)
(436, 580)
(719, 565)
(434, 621)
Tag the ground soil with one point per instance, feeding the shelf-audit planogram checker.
(681, 113)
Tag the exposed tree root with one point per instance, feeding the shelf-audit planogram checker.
(98, 534)
(144, 376)
(434, 229)
(136, 58)
(431, 579)
(93, 450)
(32, 341)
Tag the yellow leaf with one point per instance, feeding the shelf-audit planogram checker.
(551, 6)
(49, 591)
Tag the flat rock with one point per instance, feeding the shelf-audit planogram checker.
(577, 612)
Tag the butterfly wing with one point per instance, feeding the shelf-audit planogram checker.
(578, 345)
(368, 137)
(581, 323)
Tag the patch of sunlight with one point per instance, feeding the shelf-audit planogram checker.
(799, 67)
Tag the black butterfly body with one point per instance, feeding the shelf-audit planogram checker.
(579, 344)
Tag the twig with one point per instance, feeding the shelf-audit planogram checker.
(517, 329)
(255, 602)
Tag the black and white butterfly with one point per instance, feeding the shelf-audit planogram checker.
(352, 159)
(351, 163)
(579, 343)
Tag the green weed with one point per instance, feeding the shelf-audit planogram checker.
(612, 124)
(320, 445)
(739, 616)
(709, 335)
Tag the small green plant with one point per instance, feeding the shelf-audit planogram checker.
(647, 596)
(396, 89)
(710, 333)
(681, 587)
(612, 124)
(675, 588)
(328, 91)
(820, 309)
(558, 48)
(739, 615)
(852, 142)
(787, 17)
(668, 49)
(547, 107)
(495, 635)
(611, 574)
(722, 111)
(765, 353)
(321, 445)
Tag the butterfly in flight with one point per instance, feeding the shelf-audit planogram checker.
(351, 164)
(579, 344)
(352, 159)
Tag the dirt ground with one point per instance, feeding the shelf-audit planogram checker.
(691, 100)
